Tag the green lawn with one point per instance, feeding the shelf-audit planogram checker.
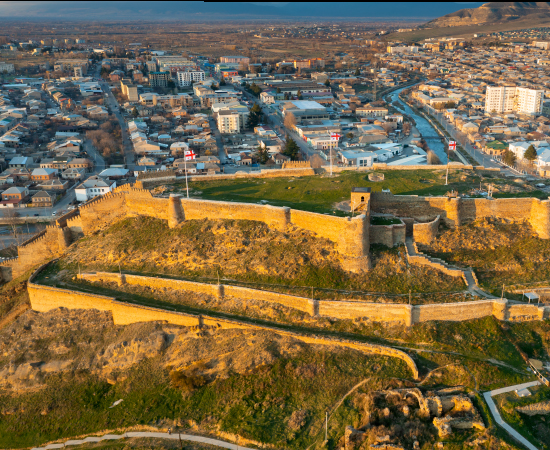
(535, 428)
(320, 193)
(255, 406)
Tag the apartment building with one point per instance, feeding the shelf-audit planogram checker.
(235, 59)
(159, 79)
(229, 121)
(402, 49)
(543, 45)
(70, 64)
(6, 67)
(187, 77)
(129, 90)
(233, 106)
(508, 99)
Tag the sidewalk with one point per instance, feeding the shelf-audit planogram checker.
(498, 418)
(146, 434)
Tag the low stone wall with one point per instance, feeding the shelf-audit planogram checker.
(345, 309)
(425, 233)
(46, 298)
(453, 312)
(376, 312)
(151, 180)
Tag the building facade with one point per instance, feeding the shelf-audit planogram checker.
(229, 122)
(509, 99)
(187, 77)
(159, 79)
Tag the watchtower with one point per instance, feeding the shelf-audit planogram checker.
(360, 199)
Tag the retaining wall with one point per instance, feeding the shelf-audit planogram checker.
(354, 309)
(46, 298)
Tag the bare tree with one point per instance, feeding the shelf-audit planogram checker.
(11, 216)
(432, 158)
(290, 120)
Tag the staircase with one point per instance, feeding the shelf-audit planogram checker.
(468, 275)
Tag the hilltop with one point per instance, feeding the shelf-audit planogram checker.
(496, 12)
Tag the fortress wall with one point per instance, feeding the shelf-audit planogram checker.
(273, 216)
(291, 301)
(62, 220)
(517, 209)
(153, 282)
(388, 235)
(151, 207)
(457, 211)
(45, 298)
(75, 225)
(377, 312)
(350, 234)
(540, 217)
(522, 312)
(103, 212)
(425, 233)
(453, 311)
(43, 247)
(420, 208)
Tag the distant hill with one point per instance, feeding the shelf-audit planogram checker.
(496, 12)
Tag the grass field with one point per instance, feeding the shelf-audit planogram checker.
(249, 252)
(256, 406)
(321, 193)
(534, 428)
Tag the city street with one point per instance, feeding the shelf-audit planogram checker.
(273, 119)
(217, 135)
(111, 102)
(481, 157)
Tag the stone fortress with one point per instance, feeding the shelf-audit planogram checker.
(418, 220)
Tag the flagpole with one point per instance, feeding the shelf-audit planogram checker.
(330, 160)
(186, 184)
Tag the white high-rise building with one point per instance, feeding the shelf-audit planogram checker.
(185, 78)
(512, 99)
(229, 121)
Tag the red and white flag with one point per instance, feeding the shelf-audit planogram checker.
(335, 136)
(452, 145)
(189, 155)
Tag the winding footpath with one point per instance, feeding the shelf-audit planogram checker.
(498, 418)
(146, 434)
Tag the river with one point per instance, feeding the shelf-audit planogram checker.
(423, 126)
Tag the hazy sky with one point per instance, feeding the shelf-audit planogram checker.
(147, 10)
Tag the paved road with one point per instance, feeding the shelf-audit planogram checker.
(111, 102)
(218, 136)
(99, 162)
(146, 434)
(481, 157)
(498, 418)
(59, 207)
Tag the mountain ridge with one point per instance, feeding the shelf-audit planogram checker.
(495, 12)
